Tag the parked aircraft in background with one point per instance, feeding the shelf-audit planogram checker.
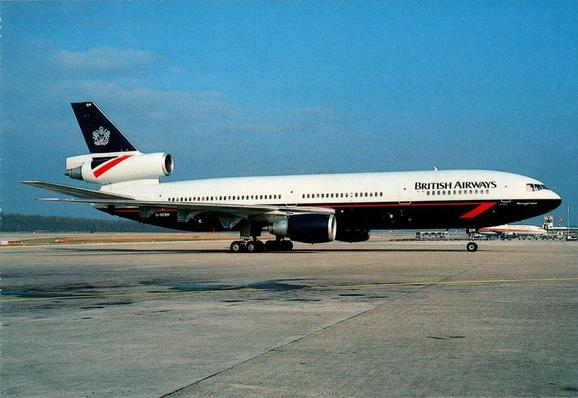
(302, 208)
(511, 231)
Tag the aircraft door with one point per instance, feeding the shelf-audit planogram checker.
(404, 195)
(505, 193)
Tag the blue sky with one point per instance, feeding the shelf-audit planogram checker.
(236, 88)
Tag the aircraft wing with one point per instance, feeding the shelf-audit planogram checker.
(267, 213)
(74, 191)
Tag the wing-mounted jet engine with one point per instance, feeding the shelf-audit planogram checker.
(307, 228)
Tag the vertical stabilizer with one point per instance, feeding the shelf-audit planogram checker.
(100, 134)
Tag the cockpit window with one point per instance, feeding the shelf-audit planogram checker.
(535, 187)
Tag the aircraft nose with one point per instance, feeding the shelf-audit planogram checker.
(555, 199)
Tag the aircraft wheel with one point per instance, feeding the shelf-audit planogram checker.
(286, 245)
(260, 246)
(237, 246)
(255, 246)
(271, 246)
(472, 247)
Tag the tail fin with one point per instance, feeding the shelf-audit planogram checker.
(100, 134)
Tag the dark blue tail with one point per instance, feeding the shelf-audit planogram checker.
(100, 134)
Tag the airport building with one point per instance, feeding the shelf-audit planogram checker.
(559, 232)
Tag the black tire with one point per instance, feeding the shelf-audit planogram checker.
(254, 246)
(260, 246)
(271, 246)
(286, 245)
(472, 247)
(251, 247)
(237, 247)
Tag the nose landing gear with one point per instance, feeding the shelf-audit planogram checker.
(471, 246)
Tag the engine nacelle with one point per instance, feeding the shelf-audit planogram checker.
(307, 228)
(110, 168)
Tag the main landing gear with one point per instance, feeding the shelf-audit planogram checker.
(471, 246)
(255, 246)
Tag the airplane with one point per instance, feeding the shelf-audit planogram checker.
(510, 231)
(303, 208)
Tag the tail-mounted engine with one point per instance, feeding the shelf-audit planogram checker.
(110, 168)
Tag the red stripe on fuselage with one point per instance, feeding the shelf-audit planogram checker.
(478, 210)
(109, 165)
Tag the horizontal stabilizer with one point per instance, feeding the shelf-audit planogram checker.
(74, 191)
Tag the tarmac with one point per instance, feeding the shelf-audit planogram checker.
(371, 319)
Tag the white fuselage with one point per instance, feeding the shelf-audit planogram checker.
(402, 187)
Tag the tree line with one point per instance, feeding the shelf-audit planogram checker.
(35, 223)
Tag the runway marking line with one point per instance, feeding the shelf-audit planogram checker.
(435, 283)
(103, 296)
